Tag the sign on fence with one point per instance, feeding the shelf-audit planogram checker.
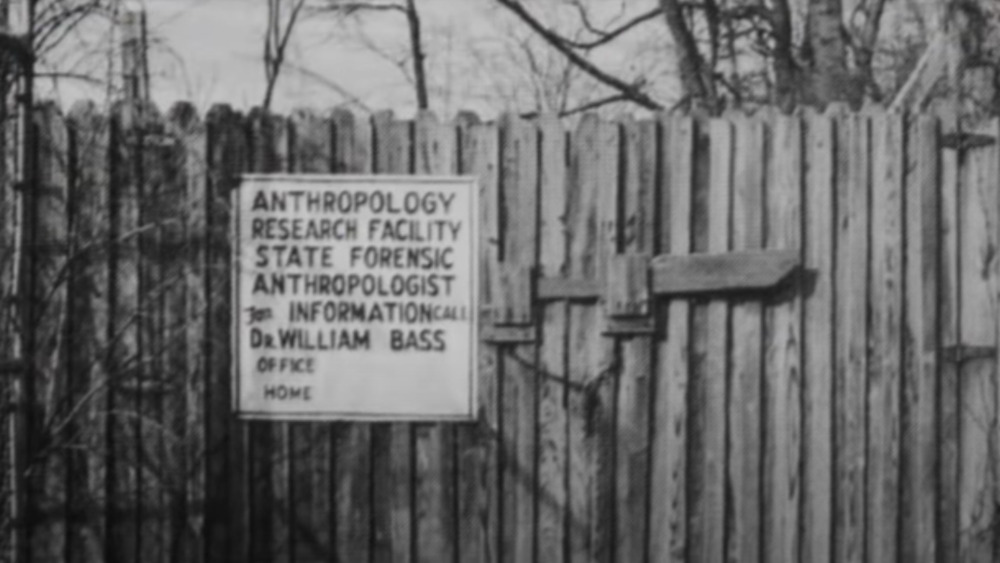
(356, 297)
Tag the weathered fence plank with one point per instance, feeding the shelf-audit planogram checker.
(885, 319)
(553, 394)
(518, 390)
(228, 520)
(268, 445)
(818, 341)
(435, 153)
(745, 462)
(123, 362)
(187, 317)
(310, 444)
(148, 149)
(710, 372)
(392, 443)
(783, 351)
(49, 441)
(479, 495)
(851, 353)
(87, 331)
(918, 532)
(352, 466)
(636, 232)
(979, 221)
(948, 389)
(668, 516)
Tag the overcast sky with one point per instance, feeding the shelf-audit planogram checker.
(208, 51)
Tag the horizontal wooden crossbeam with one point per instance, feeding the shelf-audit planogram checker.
(694, 274)
(691, 274)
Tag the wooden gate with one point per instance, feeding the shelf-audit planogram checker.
(848, 413)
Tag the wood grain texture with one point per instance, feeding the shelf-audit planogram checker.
(123, 359)
(707, 511)
(150, 159)
(87, 332)
(885, 320)
(392, 443)
(949, 386)
(226, 535)
(270, 500)
(435, 153)
(478, 492)
(745, 461)
(783, 351)
(311, 444)
(518, 227)
(352, 442)
(918, 531)
(191, 175)
(47, 391)
(818, 341)
(850, 378)
(553, 396)
(668, 443)
(636, 232)
(979, 213)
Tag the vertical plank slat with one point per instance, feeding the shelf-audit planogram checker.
(851, 353)
(123, 360)
(783, 349)
(173, 349)
(668, 465)
(310, 450)
(818, 342)
(744, 527)
(592, 227)
(147, 160)
(392, 443)
(434, 444)
(948, 389)
(166, 158)
(518, 229)
(479, 501)
(637, 231)
(188, 320)
(979, 207)
(10, 256)
(227, 524)
(710, 377)
(87, 310)
(918, 532)
(267, 442)
(552, 414)
(352, 441)
(46, 478)
(885, 319)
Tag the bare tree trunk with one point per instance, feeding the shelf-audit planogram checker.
(825, 53)
(696, 76)
(417, 48)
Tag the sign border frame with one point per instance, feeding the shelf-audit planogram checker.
(313, 178)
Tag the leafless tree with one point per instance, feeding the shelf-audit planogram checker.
(276, 36)
(736, 52)
(417, 70)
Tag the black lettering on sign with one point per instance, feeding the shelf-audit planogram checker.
(288, 392)
(425, 340)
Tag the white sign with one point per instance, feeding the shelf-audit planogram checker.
(355, 297)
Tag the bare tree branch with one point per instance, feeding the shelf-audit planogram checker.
(630, 91)
(276, 39)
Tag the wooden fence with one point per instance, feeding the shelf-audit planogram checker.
(848, 415)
